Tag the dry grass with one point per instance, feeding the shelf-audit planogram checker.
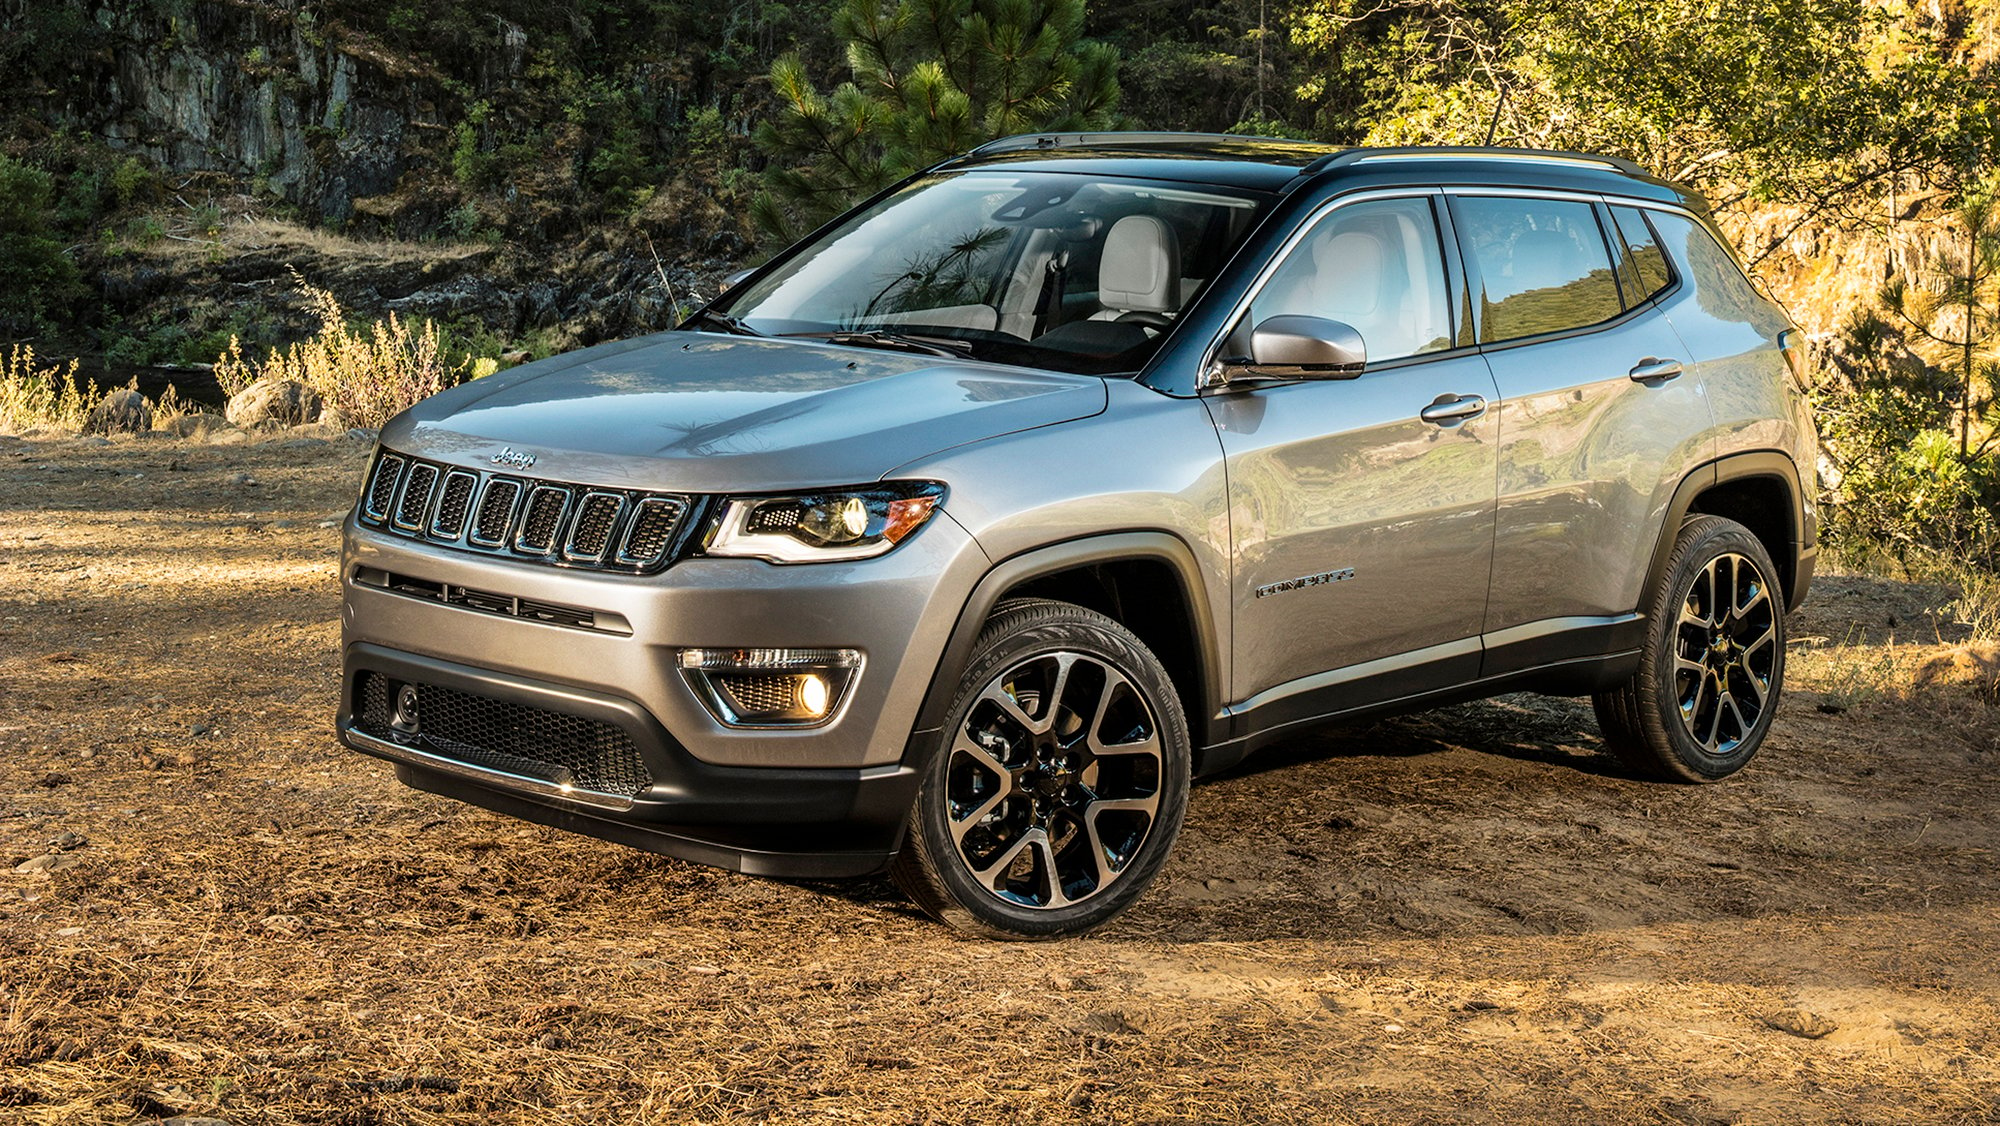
(1467, 916)
(34, 396)
(366, 375)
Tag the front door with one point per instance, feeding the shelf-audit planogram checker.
(1361, 509)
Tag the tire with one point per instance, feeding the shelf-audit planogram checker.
(1059, 782)
(1713, 665)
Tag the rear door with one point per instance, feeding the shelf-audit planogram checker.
(1363, 532)
(1601, 416)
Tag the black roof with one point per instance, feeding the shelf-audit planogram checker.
(1274, 164)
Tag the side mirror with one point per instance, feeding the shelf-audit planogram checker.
(1299, 347)
(729, 281)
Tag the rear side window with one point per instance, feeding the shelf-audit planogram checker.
(1541, 265)
(1643, 266)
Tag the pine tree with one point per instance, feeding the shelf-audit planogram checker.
(931, 78)
(1949, 298)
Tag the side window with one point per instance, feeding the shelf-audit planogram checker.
(1377, 266)
(1541, 264)
(1645, 265)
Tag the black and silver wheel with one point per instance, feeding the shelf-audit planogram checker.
(1059, 783)
(1714, 661)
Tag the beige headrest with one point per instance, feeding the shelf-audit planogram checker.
(1141, 267)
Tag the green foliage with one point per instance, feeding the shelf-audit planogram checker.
(35, 274)
(931, 78)
(134, 182)
(471, 166)
(1800, 101)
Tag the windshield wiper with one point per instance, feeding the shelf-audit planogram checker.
(896, 341)
(723, 321)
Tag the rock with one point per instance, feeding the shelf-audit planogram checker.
(93, 443)
(229, 437)
(284, 924)
(120, 412)
(194, 425)
(243, 479)
(362, 434)
(303, 444)
(49, 862)
(1798, 1022)
(286, 402)
(67, 841)
(461, 297)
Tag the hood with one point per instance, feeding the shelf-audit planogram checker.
(695, 412)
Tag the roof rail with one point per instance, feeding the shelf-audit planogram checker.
(1022, 141)
(1349, 157)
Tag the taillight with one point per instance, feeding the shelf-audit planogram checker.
(1792, 343)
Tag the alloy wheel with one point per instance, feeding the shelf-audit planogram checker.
(1725, 653)
(1054, 781)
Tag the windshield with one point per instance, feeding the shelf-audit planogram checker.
(1043, 269)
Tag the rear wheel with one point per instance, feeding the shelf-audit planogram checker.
(1060, 782)
(1714, 661)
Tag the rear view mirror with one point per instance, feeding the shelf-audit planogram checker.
(1300, 347)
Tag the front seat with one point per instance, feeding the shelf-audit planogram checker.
(1139, 278)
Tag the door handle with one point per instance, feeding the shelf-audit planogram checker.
(1450, 408)
(1652, 369)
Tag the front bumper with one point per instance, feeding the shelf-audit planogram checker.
(760, 820)
(603, 650)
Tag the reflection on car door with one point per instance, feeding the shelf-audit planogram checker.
(1599, 422)
(1362, 531)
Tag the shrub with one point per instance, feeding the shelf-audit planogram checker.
(34, 273)
(36, 397)
(366, 374)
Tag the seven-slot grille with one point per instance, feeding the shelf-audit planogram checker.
(546, 521)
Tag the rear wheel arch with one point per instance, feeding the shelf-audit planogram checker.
(1760, 491)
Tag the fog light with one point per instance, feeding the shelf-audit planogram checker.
(813, 694)
(771, 687)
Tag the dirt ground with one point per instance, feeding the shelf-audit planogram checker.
(1464, 916)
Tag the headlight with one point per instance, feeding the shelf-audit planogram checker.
(826, 526)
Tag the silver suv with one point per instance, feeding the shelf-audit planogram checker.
(958, 538)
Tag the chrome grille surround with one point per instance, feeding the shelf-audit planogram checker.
(414, 499)
(654, 522)
(453, 502)
(496, 512)
(541, 520)
(557, 523)
(382, 487)
(590, 533)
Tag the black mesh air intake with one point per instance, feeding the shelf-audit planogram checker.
(496, 512)
(453, 503)
(510, 738)
(652, 531)
(595, 517)
(541, 520)
(382, 490)
(416, 495)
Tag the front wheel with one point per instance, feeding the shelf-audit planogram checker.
(1060, 781)
(1714, 662)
